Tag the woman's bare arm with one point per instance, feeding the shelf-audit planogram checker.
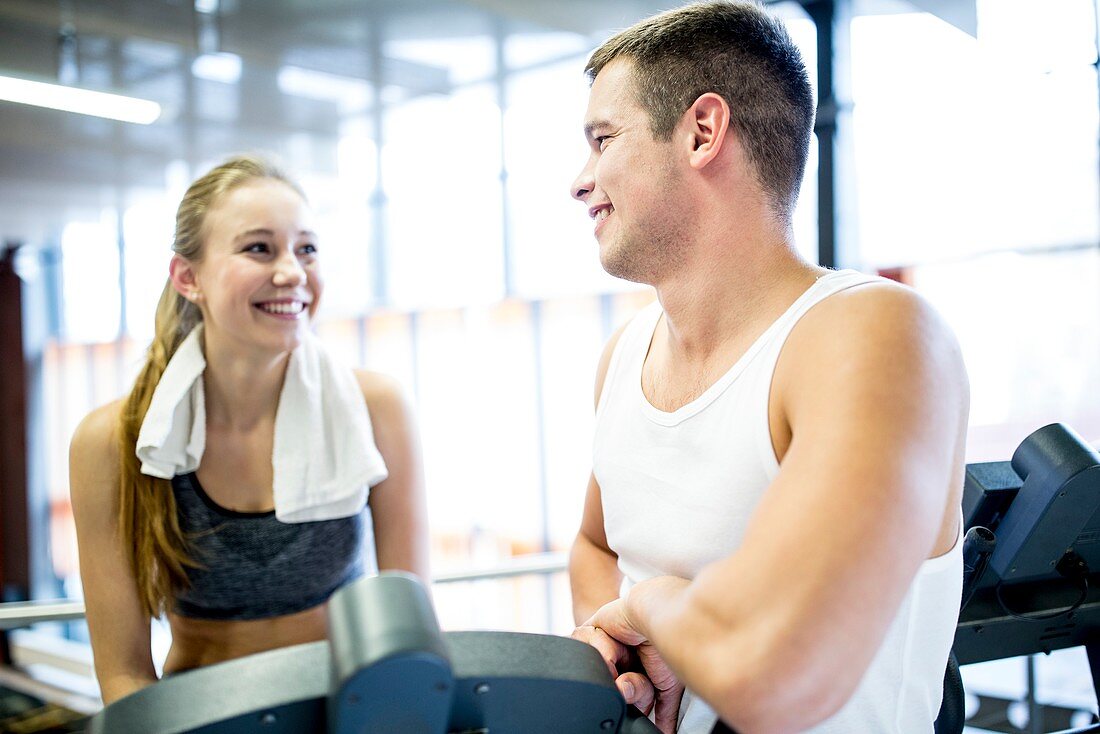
(119, 628)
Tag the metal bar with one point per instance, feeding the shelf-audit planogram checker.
(822, 14)
(379, 202)
(1096, 60)
(16, 560)
(501, 81)
(1034, 711)
(607, 316)
(1093, 652)
(835, 195)
(22, 614)
(525, 565)
(540, 423)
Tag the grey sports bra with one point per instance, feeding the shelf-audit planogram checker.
(255, 566)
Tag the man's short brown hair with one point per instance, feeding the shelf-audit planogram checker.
(735, 49)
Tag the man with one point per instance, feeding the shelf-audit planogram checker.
(773, 516)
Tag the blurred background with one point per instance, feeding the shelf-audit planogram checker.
(957, 151)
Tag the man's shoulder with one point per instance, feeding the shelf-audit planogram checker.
(875, 357)
(858, 312)
(872, 324)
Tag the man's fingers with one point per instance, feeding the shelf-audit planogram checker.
(612, 618)
(667, 708)
(637, 690)
(656, 668)
(611, 650)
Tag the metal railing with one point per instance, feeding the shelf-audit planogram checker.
(531, 564)
(14, 615)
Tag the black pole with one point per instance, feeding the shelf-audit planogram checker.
(834, 232)
(1096, 65)
(15, 535)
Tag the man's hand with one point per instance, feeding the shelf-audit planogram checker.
(612, 633)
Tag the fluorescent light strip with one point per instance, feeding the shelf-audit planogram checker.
(81, 101)
(218, 67)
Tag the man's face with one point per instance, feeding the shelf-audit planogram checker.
(630, 181)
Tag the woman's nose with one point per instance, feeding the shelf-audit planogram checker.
(288, 271)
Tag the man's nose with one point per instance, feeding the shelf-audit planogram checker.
(583, 184)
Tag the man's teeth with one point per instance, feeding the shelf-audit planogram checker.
(284, 308)
(602, 214)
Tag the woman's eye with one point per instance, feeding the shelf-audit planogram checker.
(308, 249)
(256, 247)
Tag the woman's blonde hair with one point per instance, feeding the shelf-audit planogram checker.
(157, 550)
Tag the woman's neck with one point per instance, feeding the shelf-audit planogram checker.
(242, 388)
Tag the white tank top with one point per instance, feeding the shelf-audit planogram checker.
(679, 488)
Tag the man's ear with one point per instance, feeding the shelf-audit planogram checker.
(181, 272)
(708, 120)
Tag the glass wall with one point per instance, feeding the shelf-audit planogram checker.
(977, 177)
(977, 172)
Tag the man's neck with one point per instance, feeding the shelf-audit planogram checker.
(732, 286)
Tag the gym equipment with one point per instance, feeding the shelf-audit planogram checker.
(386, 657)
(1031, 560)
(1039, 592)
(387, 667)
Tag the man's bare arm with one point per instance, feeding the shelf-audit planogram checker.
(594, 576)
(876, 399)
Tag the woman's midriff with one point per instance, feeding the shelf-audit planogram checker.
(199, 642)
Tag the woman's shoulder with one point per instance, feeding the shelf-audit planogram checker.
(95, 440)
(384, 395)
(379, 388)
(94, 469)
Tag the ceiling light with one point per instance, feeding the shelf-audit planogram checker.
(218, 67)
(348, 92)
(82, 101)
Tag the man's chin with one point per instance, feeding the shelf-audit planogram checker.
(623, 268)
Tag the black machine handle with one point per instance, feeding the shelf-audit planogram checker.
(635, 722)
(387, 667)
(978, 547)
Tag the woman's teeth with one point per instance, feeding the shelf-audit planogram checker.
(283, 308)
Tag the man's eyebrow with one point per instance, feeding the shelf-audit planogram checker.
(593, 125)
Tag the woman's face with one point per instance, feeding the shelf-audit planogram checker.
(259, 280)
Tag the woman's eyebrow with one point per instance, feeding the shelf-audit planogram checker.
(253, 233)
(269, 233)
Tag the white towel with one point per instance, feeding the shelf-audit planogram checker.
(324, 457)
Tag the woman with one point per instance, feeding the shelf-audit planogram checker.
(203, 544)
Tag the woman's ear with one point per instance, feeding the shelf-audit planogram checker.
(708, 121)
(181, 272)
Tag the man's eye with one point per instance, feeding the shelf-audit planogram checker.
(600, 140)
(308, 249)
